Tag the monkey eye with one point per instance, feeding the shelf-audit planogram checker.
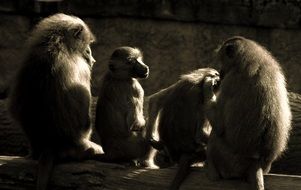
(112, 67)
(230, 50)
(129, 61)
(88, 51)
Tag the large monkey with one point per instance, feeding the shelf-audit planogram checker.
(177, 113)
(120, 121)
(250, 114)
(51, 97)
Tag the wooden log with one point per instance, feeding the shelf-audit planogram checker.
(17, 173)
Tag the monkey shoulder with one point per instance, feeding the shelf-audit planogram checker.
(159, 98)
(119, 94)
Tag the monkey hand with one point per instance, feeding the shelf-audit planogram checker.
(210, 86)
(138, 123)
(136, 128)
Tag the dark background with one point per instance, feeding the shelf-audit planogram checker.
(176, 36)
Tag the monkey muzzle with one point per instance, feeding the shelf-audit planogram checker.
(216, 83)
(140, 70)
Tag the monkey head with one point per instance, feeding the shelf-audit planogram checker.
(199, 77)
(127, 62)
(227, 54)
(214, 77)
(239, 54)
(64, 33)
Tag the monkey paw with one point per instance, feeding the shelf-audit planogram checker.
(98, 149)
(209, 87)
(149, 164)
(93, 146)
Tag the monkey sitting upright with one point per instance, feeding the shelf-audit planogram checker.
(120, 121)
(177, 113)
(250, 116)
(51, 97)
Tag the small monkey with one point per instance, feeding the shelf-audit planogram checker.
(177, 113)
(120, 122)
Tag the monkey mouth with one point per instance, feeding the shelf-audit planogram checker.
(90, 65)
(145, 75)
(142, 75)
(140, 72)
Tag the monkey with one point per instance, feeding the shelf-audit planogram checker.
(51, 96)
(249, 113)
(176, 113)
(120, 121)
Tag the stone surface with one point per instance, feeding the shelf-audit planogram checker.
(171, 47)
(175, 48)
(14, 30)
(267, 13)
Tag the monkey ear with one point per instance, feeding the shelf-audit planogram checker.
(230, 50)
(77, 31)
(111, 67)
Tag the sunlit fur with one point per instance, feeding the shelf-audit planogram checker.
(51, 97)
(177, 113)
(120, 121)
(251, 118)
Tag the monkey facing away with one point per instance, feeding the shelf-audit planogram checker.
(177, 114)
(250, 114)
(51, 97)
(120, 121)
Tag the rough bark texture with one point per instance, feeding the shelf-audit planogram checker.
(18, 174)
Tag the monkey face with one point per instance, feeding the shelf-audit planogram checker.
(87, 55)
(139, 69)
(228, 54)
(210, 87)
(212, 79)
(126, 62)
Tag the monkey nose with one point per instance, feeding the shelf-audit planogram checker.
(93, 61)
(147, 69)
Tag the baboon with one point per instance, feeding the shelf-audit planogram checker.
(177, 114)
(250, 114)
(120, 122)
(51, 97)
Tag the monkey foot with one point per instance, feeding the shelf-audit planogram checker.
(149, 164)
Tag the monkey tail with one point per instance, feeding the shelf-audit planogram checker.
(183, 171)
(45, 168)
(159, 145)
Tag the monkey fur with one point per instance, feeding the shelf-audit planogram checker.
(120, 122)
(250, 114)
(51, 97)
(177, 114)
